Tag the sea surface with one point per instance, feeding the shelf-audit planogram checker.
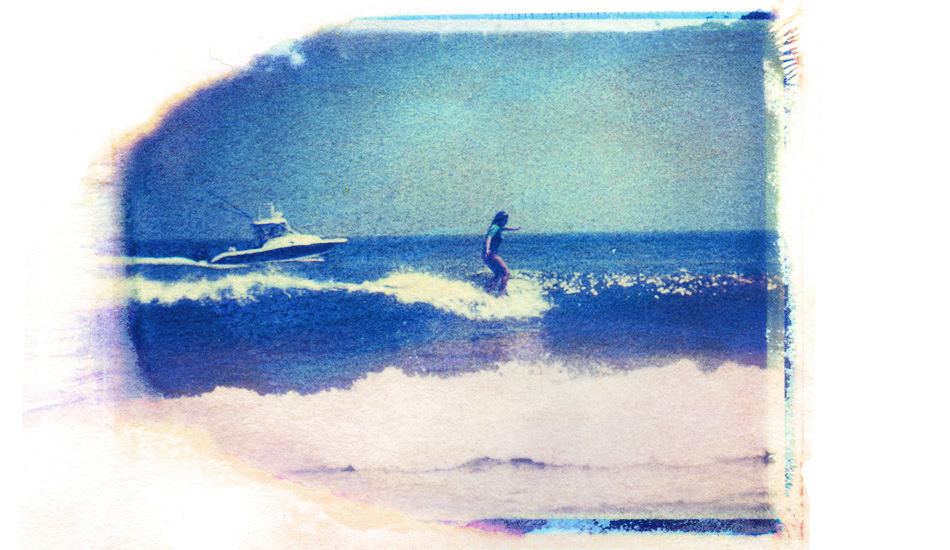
(629, 376)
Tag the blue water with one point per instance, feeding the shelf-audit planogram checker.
(616, 301)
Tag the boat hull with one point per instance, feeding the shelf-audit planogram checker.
(276, 254)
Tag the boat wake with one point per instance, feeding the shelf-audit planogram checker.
(206, 264)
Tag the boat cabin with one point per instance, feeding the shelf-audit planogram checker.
(270, 226)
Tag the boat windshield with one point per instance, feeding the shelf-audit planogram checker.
(267, 231)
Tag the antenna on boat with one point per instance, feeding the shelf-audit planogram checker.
(230, 207)
(219, 201)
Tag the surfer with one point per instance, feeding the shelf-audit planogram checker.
(490, 254)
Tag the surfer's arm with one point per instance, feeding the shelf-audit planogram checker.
(487, 246)
(511, 228)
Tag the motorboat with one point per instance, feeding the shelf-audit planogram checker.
(276, 242)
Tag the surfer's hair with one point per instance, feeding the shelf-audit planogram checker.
(501, 218)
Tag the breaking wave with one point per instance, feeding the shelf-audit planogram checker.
(526, 438)
(462, 298)
(674, 415)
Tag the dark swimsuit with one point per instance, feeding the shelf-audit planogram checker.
(494, 232)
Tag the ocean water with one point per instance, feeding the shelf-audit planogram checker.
(625, 376)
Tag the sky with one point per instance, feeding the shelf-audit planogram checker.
(365, 130)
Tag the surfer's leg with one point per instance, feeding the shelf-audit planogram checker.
(498, 269)
(494, 280)
(503, 276)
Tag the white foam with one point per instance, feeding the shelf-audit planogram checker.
(672, 434)
(240, 287)
(674, 415)
(461, 298)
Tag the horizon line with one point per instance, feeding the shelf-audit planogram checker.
(478, 235)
